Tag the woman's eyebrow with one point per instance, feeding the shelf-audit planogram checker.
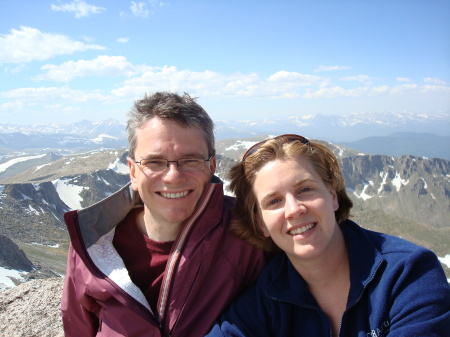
(297, 184)
(302, 181)
(267, 197)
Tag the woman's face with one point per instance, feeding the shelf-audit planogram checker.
(297, 209)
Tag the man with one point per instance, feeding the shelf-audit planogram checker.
(157, 257)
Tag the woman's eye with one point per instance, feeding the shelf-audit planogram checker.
(304, 189)
(273, 202)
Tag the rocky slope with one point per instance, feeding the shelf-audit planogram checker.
(32, 309)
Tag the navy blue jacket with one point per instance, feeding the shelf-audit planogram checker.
(397, 289)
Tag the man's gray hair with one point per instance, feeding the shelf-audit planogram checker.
(170, 106)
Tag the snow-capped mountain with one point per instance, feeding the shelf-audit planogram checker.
(346, 128)
(386, 133)
(406, 196)
(327, 127)
(111, 127)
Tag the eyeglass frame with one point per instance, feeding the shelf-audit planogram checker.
(290, 137)
(170, 161)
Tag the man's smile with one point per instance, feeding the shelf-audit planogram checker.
(174, 195)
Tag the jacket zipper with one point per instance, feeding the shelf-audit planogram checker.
(318, 309)
(175, 255)
(360, 295)
(76, 224)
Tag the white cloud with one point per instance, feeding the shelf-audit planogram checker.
(79, 7)
(156, 3)
(403, 88)
(208, 83)
(394, 91)
(281, 84)
(435, 89)
(12, 106)
(403, 79)
(123, 39)
(87, 38)
(435, 81)
(102, 66)
(56, 103)
(172, 79)
(295, 78)
(15, 70)
(139, 9)
(380, 89)
(336, 92)
(327, 92)
(331, 68)
(359, 78)
(29, 44)
(45, 94)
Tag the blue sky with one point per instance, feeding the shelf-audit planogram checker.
(67, 60)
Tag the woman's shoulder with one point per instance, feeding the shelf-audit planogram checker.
(393, 249)
(385, 243)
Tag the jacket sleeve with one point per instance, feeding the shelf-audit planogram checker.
(248, 315)
(420, 299)
(77, 307)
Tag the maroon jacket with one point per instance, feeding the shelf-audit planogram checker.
(207, 268)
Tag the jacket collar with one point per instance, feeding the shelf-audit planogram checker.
(100, 218)
(92, 232)
(364, 259)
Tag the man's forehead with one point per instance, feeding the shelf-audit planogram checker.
(162, 138)
(158, 124)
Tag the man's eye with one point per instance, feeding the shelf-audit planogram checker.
(153, 162)
(190, 161)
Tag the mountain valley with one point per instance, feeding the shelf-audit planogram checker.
(396, 168)
(406, 196)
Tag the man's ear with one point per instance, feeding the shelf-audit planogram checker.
(213, 164)
(132, 168)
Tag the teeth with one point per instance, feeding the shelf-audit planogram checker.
(302, 229)
(174, 195)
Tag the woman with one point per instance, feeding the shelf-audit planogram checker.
(331, 277)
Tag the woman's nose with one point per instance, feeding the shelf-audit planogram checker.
(293, 207)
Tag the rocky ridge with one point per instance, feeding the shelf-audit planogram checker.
(32, 309)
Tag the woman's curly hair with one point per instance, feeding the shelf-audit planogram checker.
(242, 175)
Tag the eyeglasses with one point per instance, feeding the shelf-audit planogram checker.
(183, 164)
(288, 138)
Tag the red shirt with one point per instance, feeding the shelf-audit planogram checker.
(144, 258)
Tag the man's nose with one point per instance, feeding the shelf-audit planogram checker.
(172, 171)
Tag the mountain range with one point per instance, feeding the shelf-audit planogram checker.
(393, 134)
(411, 192)
(404, 195)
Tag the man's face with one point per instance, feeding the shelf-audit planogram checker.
(169, 196)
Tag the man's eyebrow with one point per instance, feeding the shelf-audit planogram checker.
(192, 155)
(152, 156)
(186, 155)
